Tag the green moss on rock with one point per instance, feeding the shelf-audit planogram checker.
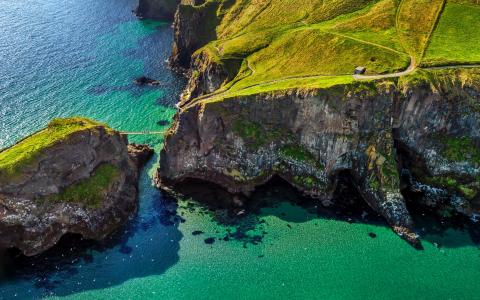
(384, 170)
(308, 181)
(297, 153)
(461, 149)
(453, 185)
(300, 154)
(255, 135)
(92, 191)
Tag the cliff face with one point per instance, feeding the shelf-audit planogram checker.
(412, 140)
(157, 9)
(437, 134)
(372, 132)
(194, 26)
(84, 183)
(208, 76)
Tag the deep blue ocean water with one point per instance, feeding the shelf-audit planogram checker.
(66, 57)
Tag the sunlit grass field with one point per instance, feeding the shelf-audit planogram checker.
(457, 37)
(296, 43)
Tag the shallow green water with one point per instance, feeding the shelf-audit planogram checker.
(315, 259)
(62, 58)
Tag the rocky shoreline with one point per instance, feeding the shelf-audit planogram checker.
(418, 135)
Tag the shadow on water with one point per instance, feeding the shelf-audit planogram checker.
(278, 198)
(147, 245)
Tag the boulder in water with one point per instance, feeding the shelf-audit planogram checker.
(146, 81)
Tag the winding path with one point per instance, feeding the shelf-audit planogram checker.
(411, 68)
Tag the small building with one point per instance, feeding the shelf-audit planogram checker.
(360, 70)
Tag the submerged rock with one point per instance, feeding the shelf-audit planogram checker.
(146, 81)
(76, 176)
(209, 241)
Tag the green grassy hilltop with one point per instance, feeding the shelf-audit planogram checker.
(26, 151)
(20, 158)
(285, 44)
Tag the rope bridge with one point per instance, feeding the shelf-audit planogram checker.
(143, 133)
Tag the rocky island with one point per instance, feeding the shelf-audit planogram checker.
(75, 176)
(272, 93)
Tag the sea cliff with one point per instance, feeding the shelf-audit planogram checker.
(403, 140)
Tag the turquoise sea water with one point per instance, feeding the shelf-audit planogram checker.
(66, 57)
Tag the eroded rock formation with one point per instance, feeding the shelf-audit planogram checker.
(194, 26)
(416, 135)
(428, 130)
(84, 183)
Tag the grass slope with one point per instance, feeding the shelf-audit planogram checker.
(25, 152)
(415, 22)
(90, 192)
(287, 44)
(457, 37)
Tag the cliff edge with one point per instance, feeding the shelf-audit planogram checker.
(272, 92)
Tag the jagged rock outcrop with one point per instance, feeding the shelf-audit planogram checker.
(194, 26)
(84, 182)
(438, 137)
(208, 76)
(157, 9)
(140, 154)
(372, 131)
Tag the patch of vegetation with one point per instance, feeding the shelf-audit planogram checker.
(375, 23)
(469, 193)
(255, 135)
(300, 154)
(297, 153)
(25, 153)
(92, 191)
(416, 19)
(308, 181)
(249, 16)
(302, 56)
(461, 149)
(384, 170)
(250, 131)
(456, 39)
(304, 45)
(448, 80)
(453, 185)
(373, 182)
